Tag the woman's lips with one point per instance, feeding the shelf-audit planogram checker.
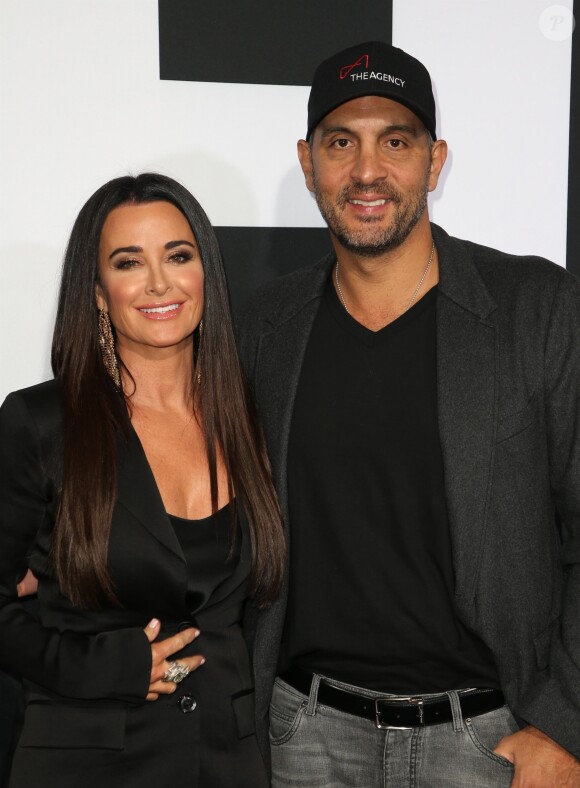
(161, 311)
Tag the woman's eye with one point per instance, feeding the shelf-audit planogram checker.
(180, 257)
(123, 265)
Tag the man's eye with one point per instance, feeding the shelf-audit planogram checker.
(395, 144)
(341, 143)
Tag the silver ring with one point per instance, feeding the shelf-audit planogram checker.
(176, 672)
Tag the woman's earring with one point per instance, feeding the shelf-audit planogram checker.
(107, 345)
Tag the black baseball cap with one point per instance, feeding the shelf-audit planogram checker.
(371, 69)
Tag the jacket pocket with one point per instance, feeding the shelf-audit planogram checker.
(73, 727)
(243, 708)
(512, 424)
(543, 643)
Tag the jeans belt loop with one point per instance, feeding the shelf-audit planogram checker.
(313, 696)
(410, 699)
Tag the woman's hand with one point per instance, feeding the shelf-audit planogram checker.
(28, 585)
(162, 651)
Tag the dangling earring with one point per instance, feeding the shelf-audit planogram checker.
(107, 345)
(198, 376)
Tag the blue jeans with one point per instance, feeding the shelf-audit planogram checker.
(315, 746)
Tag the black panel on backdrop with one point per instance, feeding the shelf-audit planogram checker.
(573, 235)
(267, 42)
(253, 255)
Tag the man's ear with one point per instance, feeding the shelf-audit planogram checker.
(305, 157)
(438, 157)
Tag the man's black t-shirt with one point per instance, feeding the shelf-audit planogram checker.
(371, 573)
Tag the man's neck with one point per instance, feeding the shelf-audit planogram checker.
(378, 290)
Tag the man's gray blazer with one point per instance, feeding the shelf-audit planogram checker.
(508, 361)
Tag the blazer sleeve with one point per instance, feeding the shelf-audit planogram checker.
(553, 704)
(111, 664)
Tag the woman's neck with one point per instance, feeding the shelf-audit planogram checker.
(162, 380)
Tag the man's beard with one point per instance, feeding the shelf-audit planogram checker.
(365, 241)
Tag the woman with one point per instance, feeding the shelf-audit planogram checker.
(136, 487)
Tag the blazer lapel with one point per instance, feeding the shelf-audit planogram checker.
(277, 373)
(278, 368)
(466, 364)
(138, 492)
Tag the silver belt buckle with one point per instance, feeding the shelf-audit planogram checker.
(399, 699)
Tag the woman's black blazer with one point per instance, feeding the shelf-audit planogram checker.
(87, 672)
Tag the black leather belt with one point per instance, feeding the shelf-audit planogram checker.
(398, 711)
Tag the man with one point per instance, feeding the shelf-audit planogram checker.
(421, 401)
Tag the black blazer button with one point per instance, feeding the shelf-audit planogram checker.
(187, 703)
(186, 625)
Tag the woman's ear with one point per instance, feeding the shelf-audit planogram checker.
(100, 297)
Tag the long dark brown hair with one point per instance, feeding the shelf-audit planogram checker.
(95, 414)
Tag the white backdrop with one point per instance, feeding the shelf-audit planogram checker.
(81, 102)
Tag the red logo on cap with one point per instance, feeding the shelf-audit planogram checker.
(345, 70)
